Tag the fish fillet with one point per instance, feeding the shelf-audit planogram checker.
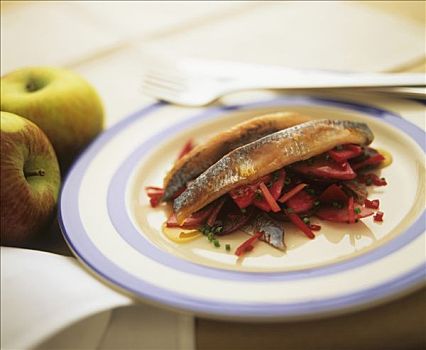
(203, 156)
(247, 163)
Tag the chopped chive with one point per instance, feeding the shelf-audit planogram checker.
(357, 210)
(316, 203)
(339, 148)
(289, 210)
(216, 243)
(228, 247)
(218, 229)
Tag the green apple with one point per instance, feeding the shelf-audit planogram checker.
(30, 180)
(63, 104)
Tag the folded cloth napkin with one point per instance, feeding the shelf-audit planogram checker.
(50, 301)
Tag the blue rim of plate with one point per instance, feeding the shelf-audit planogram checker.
(80, 243)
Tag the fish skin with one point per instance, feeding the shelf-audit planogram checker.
(203, 156)
(263, 156)
(273, 230)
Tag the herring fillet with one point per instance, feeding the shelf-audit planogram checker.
(203, 156)
(247, 163)
(273, 230)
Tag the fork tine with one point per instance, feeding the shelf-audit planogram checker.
(158, 92)
(163, 82)
(167, 73)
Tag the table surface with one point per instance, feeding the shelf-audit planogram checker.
(110, 43)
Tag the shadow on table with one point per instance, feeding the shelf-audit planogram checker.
(397, 325)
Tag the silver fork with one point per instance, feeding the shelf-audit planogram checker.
(197, 83)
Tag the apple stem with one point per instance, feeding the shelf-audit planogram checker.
(39, 172)
(32, 86)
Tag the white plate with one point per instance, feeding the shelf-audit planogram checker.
(107, 220)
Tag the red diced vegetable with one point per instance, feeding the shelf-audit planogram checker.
(315, 227)
(248, 244)
(301, 225)
(341, 215)
(215, 212)
(278, 185)
(292, 192)
(154, 201)
(347, 152)
(333, 193)
(351, 210)
(373, 160)
(246, 195)
(378, 216)
(372, 179)
(326, 169)
(261, 202)
(374, 204)
(189, 145)
(243, 196)
(155, 194)
(268, 197)
(301, 202)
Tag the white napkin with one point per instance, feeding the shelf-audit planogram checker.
(50, 301)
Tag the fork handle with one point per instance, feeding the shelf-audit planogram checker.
(316, 80)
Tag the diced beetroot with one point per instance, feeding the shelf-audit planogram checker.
(333, 193)
(372, 179)
(261, 203)
(301, 202)
(374, 204)
(341, 215)
(373, 160)
(346, 152)
(326, 169)
(378, 216)
(243, 196)
(155, 194)
(154, 201)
